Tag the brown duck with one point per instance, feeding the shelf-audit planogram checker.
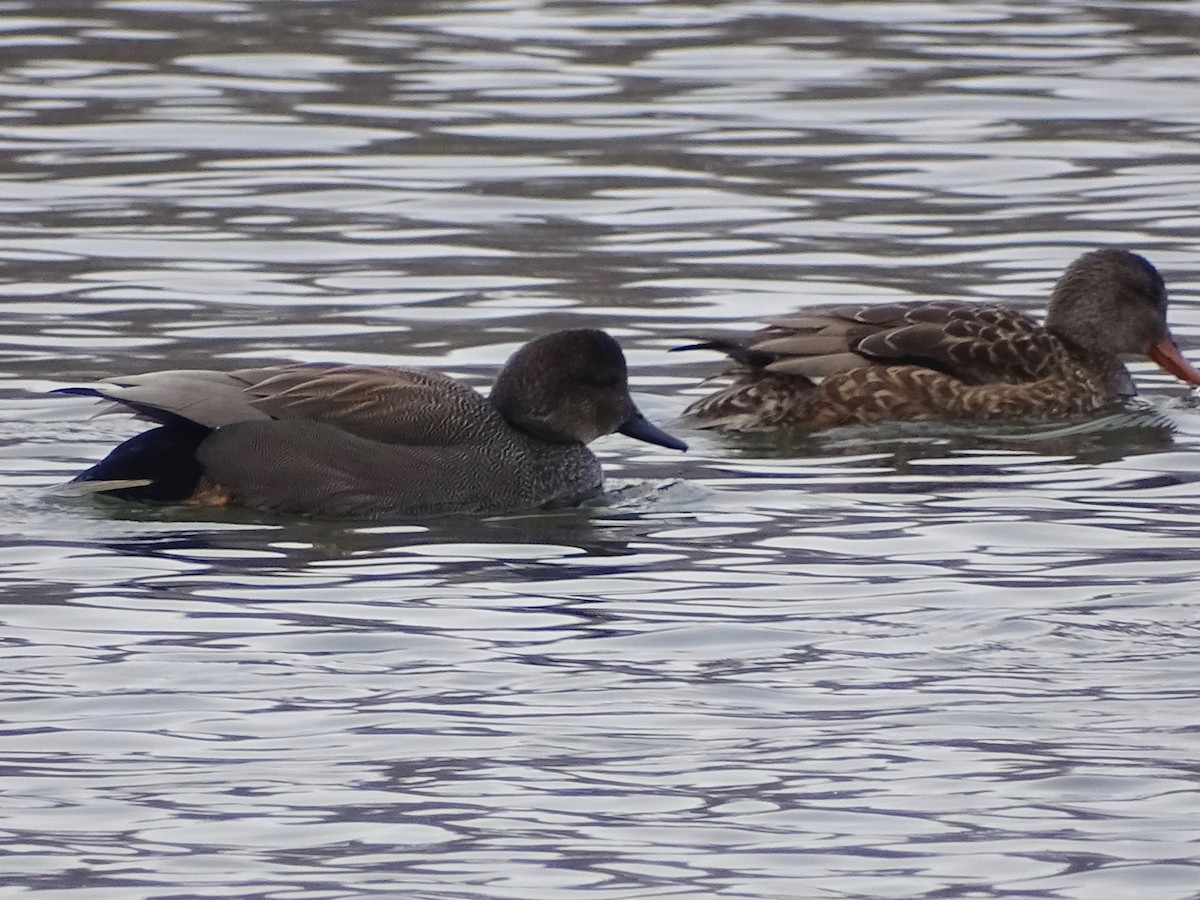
(825, 366)
(374, 442)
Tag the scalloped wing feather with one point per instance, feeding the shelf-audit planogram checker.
(819, 341)
(976, 344)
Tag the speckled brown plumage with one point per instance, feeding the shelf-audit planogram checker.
(831, 365)
(373, 442)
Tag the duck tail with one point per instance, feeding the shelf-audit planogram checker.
(156, 465)
(734, 345)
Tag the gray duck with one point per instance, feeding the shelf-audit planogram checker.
(376, 442)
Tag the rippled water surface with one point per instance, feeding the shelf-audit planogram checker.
(878, 663)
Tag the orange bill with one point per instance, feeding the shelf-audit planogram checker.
(1167, 355)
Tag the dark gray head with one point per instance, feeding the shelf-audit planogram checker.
(1113, 303)
(572, 387)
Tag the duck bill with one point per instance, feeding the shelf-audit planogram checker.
(1169, 359)
(640, 428)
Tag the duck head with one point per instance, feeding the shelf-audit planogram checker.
(1113, 303)
(573, 387)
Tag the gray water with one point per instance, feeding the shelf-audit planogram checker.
(906, 662)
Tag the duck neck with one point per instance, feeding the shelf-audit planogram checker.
(1073, 348)
(1099, 364)
(519, 407)
(1081, 315)
(1083, 342)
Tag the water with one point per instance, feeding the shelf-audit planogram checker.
(902, 662)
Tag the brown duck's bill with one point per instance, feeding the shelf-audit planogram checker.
(640, 428)
(1167, 355)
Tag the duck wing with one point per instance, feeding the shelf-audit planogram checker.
(202, 396)
(391, 405)
(383, 403)
(975, 343)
